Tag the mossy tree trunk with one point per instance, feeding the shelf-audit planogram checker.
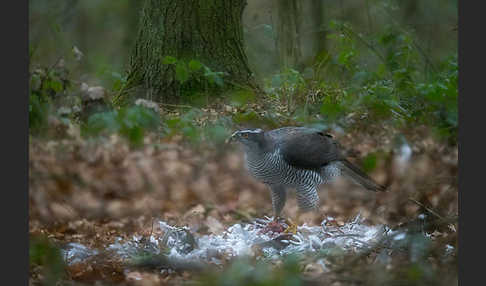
(209, 31)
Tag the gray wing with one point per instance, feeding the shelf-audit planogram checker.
(309, 149)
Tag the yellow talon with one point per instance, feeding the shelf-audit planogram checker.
(292, 227)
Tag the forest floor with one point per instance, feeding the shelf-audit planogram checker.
(117, 213)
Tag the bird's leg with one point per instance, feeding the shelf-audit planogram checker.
(279, 197)
(307, 199)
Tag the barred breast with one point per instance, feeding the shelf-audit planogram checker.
(272, 169)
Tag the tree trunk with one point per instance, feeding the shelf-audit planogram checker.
(318, 23)
(289, 33)
(210, 32)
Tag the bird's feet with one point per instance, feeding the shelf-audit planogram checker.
(280, 225)
(291, 227)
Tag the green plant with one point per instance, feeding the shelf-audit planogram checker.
(244, 273)
(131, 122)
(211, 132)
(48, 86)
(439, 98)
(38, 114)
(44, 85)
(385, 81)
(184, 125)
(184, 70)
(43, 253)
(286, 85)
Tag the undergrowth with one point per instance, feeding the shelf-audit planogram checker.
(360, 80)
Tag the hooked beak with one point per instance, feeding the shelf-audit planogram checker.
(232, 137)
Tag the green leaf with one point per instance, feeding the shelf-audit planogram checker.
(242, 97)
(217, 133)
(182, 73)
(195, 65)
(38, 113)
(169, 60)
(55, 85)
(214, 77)
(369, 162)
(332, 109)
(43, 252)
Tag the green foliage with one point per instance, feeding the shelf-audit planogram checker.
(214, 78)
(195, 65)
(169, 60)
(49, 82)
(118, 80)
(243, 273)
(217, 133)
(130, 122)
(439, 98)
(288, 79)
(38, 114)
(43, 253)
(286, 85)
(185, 70)
(45, 84)
(252, 118)
(360, 79)
(182, 72)
(345, 46)
(400, 86)
(332, 108)
(184, 125)
(369, 162)
(240, 98)
(212, 132)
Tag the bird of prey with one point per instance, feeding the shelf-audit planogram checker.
(300, 158)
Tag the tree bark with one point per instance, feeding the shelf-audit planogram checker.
(318, 22)
(289, 33)
(210, 32)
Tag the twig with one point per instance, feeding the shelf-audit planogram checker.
(370, 46)
(53, 65)
(419, 49)
(426, 208)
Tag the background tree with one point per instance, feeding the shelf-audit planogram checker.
(207, 31)
(289, 32)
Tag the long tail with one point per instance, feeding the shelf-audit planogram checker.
(361, 178)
